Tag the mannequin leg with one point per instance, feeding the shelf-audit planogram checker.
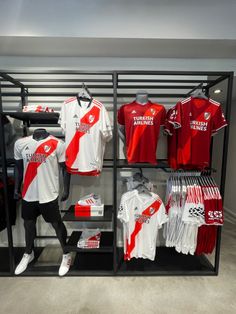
(30, 235)
(61, 233)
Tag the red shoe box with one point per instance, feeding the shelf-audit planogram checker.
(88, 211)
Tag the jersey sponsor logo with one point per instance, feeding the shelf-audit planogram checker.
(142, 218)
(198, 125)
(143, 120)
(75, 116)
(47, 148)
(36, 157)
(82, 127)
(133, 111)
(207, 115)
(91, 118)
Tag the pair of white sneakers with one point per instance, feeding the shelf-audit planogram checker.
(28, 258)
(90, 200)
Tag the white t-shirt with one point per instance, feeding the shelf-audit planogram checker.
(142, 215)
(87, 128)
(41, 169)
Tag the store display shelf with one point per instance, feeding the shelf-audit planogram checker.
(106, 243)
(123, 163)
(35, 117)
(93, 264)
(167, 262)
(69, 215)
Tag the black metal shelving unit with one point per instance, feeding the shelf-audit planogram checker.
(114, 86)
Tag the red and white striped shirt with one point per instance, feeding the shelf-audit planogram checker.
(142, 215)
(87, 128)
(41, 169)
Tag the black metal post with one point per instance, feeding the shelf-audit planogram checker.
(224, 163)
(5, 183)
(23, 103)
(115, 80)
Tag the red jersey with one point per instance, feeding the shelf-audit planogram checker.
(196, 120)
(142, 126)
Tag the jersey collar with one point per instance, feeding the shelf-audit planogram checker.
(89, 103)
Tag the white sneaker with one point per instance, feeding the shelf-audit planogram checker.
(26, 259)
(65, 264)
(91, 199)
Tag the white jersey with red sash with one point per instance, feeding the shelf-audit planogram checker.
(41, 170)
(142, 215)
(87, 128)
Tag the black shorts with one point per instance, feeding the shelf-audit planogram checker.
(49, 211)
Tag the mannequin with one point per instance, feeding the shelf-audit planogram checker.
(142, 99)
(32, 207)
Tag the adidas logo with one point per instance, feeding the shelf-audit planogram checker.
(27, 148)
(75, 116)
(134, 111)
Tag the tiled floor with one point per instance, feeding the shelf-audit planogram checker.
(93, 295)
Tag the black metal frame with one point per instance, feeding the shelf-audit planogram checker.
(117, 81)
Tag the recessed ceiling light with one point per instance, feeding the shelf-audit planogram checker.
(217, 91)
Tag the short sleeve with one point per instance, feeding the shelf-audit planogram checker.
(174, 116)
(121, 115)
(218, 120)
(163, 116)
(161, 216)
(62, 117)
(18, 150)
(61, 151)
(123, 214)
(106, 128)
(168, 126)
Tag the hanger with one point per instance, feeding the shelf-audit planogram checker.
(84, 93)
(141, 188)
(199, 92)
(138, 176)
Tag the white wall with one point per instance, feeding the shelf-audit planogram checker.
(15, 62)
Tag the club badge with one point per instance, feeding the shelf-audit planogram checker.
(153, 111)
(47, 148)
(207, 115)
(151, 210)
(91, 118)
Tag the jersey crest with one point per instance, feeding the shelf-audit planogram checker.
(207, 115)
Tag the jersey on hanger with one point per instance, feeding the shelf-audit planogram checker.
(87, 128)
(142, 126)
(41, 170)
(142, 216)
(196, 120)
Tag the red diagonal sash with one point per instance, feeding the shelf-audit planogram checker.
(73, 148)
(148, 212)
(32, 167)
